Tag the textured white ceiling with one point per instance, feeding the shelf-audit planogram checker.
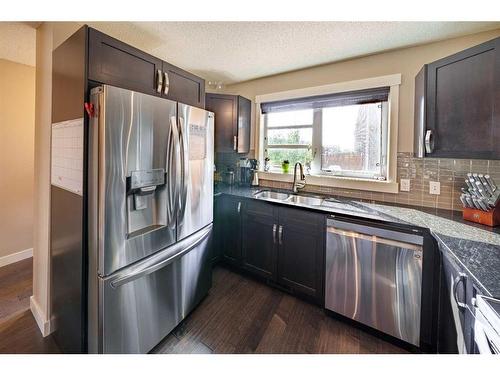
(239, 51)
(18, 42)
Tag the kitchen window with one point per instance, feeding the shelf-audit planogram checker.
(342, 134)
(289, 137)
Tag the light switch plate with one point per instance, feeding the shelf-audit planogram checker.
(404, 184)
(434, 187)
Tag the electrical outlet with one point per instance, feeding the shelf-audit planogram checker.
(434, 187)
(404, 184)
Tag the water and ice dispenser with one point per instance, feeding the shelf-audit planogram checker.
(145, 200)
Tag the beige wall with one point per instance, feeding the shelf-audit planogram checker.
(49, 35)
(406, 61)
(17, 125)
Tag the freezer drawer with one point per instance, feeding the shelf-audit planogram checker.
(374, 276)
(143, 303)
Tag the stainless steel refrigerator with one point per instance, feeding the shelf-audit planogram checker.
(150, 213)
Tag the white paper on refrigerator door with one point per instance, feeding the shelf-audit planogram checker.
(67, 155)
(197, 142)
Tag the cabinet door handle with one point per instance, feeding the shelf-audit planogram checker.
(166, 84)
(429, 142)
(239, 207)
(461, 278)
(280, 235)
(274, 233)
(235, 143)
(159, 81)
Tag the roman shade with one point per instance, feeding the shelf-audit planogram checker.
(379, 94)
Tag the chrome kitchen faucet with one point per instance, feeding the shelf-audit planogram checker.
(302, 182)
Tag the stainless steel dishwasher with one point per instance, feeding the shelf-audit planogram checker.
(374, 276)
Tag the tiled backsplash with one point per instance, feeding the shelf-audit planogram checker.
(449, 172)
(225, 160)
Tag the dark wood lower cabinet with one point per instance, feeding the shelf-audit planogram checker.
(217, 230)
(455, 317)
(275, 243)
(301, 249)
(230, 230)
(259, 245)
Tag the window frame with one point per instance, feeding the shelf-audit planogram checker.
(267, 146)
(389, 185)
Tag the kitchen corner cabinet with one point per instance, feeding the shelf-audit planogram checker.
(457, 105)
(231, 210)
(217, 231)
(456, 306)
(115, 63)
(278, 244)
(232, 122)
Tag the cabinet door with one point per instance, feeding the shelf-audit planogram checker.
(301, 252)
(463, 103)
(244, 117)
(184, 87)
(453, 334)
(231, 230)
(259, 237)
(225, 108)
(217, 231)
(115, 63)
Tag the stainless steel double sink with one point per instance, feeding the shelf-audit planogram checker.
(289, 198)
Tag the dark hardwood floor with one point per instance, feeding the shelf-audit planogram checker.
(240, 315)
(15, 288)
(20, 335)
(19, 332)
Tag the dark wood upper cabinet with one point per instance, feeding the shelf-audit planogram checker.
(244, 124)
(232, 122)
(115, 63)
(457, 105)
(184, 87)
(118, 64)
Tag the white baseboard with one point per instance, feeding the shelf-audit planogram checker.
(16, 257)
(43, 323)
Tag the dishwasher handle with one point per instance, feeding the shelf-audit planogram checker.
(365, 228)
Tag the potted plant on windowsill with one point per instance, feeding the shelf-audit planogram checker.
(285, 165)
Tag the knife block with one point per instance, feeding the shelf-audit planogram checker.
(490, 218)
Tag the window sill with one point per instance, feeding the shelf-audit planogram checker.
(336, 181)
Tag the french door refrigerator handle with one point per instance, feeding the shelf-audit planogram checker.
(176, 161)
(160, 261)
(274, 233)
(170, 176)
(184, 168)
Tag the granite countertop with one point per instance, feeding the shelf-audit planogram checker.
(475, 246)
